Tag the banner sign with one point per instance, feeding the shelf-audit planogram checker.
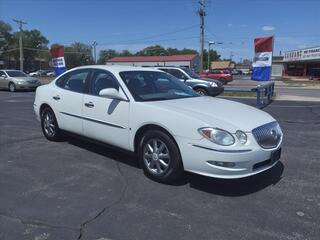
(261, 66)
(58, 62)
(303, 54)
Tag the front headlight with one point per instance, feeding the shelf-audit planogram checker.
(217, 136)
(213, 84)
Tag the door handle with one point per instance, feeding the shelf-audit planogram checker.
(56, 97)
(89, 105)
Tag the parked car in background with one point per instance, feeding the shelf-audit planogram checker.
(203, 86)
(224, 76)
(51, 74)
(236, 72)
(39, 73)
(169, 126)
(15, 80)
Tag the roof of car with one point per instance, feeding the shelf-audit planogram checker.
(117, 68)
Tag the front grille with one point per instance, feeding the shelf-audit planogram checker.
(268, 135)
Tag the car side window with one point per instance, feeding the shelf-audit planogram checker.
(102, 80)
(177, 73)
(75, 81)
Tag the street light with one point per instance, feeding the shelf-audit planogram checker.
(209, 44)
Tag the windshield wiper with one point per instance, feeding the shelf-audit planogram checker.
(155, 99)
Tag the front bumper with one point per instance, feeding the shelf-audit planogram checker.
(215, 91)
(27, 85)
(250, 159)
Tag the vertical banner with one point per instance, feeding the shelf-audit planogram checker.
(58, 62)
(261, 66)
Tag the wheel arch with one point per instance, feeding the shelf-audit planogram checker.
(43, 106)
(139, 133)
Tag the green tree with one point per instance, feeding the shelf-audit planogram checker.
(105, 55)
(78, 54)
(214, 56)
(155, 50)
(5, 40)
(34, 48)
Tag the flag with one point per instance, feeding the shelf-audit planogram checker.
(261, 66)
(58, 62)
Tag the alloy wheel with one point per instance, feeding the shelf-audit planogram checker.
(156, 156)
(49, 124)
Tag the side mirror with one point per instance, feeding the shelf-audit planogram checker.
(3, 76)
(112, 93)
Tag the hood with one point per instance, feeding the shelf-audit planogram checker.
(208, 80)
(217, 112)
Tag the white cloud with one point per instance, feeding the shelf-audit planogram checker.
(268, 28)
(230, 24)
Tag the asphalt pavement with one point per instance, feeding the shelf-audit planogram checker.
(74, 189)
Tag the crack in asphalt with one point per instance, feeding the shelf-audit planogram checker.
(36, 223)
(108, 207)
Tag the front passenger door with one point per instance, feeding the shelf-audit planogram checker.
(105, 119)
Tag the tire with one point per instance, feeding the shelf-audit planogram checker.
(202, 91)
(12, 87)
(49, 125)
(165, 169)
(223, 81)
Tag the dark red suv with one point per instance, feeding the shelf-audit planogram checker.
(224, 76)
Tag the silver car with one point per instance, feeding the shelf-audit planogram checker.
(15, 80)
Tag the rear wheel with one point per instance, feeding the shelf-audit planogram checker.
(12, 87)
(202, 91)
(159, 157)
(49, 125)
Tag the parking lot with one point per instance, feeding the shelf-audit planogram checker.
(78, 190)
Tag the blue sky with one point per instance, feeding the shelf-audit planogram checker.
(132, 25)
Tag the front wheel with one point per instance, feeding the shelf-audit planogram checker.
(202, 91)
(159, 157)
(49, 125)
(12, 87)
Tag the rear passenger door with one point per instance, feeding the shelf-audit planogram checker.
(67, 100)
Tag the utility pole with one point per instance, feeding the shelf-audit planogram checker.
(20, 22)
(94, 44)
(209, 65)
(231, 55)
(202, 14)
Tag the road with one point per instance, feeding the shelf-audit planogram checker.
(77, 190)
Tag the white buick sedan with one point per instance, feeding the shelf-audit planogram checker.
(170, 127)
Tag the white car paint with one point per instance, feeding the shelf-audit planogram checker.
(180, 117)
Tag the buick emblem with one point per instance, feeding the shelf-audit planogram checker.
(274, 134)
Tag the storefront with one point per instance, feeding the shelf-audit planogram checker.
(302, 63)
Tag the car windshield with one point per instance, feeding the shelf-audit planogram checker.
(191, 73)
(155, 86)
(16, 74)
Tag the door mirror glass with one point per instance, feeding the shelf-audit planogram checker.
(112, 93)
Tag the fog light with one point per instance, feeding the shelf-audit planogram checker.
(242, 136)
(222, 164)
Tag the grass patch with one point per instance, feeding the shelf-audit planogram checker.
(300, 82)
(238, 94)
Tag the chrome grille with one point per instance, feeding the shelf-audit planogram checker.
(268, 135)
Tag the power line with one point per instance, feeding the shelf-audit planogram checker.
(150, 37)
